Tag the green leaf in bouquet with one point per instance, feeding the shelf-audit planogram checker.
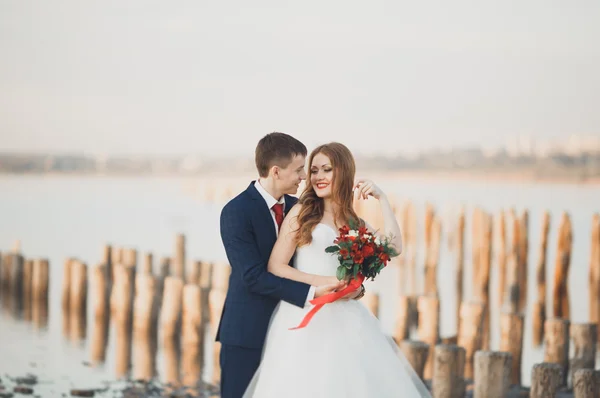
(332, 249)
(355, 270)
(341, 273)
(348, 262)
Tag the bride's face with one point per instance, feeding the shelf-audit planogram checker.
(321, 175)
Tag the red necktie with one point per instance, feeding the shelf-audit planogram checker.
(278, 209)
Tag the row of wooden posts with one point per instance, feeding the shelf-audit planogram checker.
(186, 307)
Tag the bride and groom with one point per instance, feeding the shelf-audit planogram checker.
(275, 245)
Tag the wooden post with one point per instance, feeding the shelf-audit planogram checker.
(78, 291)
(449, 365)
(40, 280)
(163, 273)
(556, 341)
(147, 265)
(482, 287)
(16, 278)
(220, 282)
(121, 299)
(99, 283)
(171, 307)
(144, 307)
(594, 273)
(66, 286)
(511, 341)
(192, 339)
(144, 356)
(492, 374)
(172, 359)
(194, 274)
(122, 348)
(411, 246)
(26, 288)
(429, 331)
(107, 259)
(514, 289)
(130, 258)
(584, 337)
(560, 302)
(402, 320)
(205, 283)
(433, 231)
(584, 384)
(469, 334)
(545, 380)
(460, 263)
(178, 266)
(523, 257)
(371, 301)
(416, 352)
(475, 243)
(501, 258)
(539, 307)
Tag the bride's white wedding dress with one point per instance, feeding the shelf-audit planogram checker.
(342, 352)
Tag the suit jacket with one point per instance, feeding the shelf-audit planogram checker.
(248, 235)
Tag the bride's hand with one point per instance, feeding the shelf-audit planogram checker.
(365, 188)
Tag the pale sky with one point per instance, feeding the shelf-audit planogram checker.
(157, 77)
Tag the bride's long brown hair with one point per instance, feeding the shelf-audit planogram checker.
(313, 207)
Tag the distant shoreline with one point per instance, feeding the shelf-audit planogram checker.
(496, 176)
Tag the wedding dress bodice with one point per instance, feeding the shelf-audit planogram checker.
(312, 258)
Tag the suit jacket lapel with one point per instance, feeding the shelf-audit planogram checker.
(262, 214)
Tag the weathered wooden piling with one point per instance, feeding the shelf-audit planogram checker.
(539, 307)
(492, 374)
(429, 329)
(178, 264)
(469, 334)
(560, 295)
(122, 348)
(144, 307)
(514, 290)
(194, 275)
(130, 258)
(172, 360)
(594, 272)
(371, 301)
(170, 314)
(402, 320)
(511, 340)
(411, 249)
(99, 287)
(475, 244)
(78, 287)
(482, 286)
(545, 380)
(40, 280)
(66, 284)
(556, 342)
(584, 337)
(433, 231)
(16, 276)
(220, 282)
(108, 261)
(501, 258)
(121, 298)
(523, 258)
(416, 352)
(192, 338)
(147, 264)
(460, 262)
(448, 372)
(585, 384)
(144, 356)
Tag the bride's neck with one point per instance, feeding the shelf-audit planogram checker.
(329, 206)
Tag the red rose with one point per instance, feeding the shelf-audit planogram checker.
(358, 258)
(367, 251)
(344, 253)
(384, 257)
(362, 231)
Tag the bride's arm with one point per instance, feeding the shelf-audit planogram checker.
(367, 188)
(284, 250)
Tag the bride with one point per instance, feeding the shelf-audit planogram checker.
(342, 352)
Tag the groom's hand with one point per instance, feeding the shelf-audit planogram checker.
(326, 289)
(355, 295)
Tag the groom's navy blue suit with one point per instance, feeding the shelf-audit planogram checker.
(248, 234)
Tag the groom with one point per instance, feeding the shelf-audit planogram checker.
(249, 227)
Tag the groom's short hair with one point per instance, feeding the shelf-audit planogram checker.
(276, 149)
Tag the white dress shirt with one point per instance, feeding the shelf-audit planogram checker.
(270, 202)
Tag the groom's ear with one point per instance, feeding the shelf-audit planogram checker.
(275, 170)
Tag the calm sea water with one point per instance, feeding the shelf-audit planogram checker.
(58, 217)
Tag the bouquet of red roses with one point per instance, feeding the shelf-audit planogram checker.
(362, 255)
(360, 252)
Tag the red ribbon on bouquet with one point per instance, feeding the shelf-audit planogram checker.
(329, 298)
